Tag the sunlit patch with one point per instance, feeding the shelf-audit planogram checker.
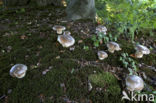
(108, 8)
(98, 19)
(64, 3)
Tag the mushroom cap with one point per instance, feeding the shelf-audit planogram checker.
(134, 83)
(66, 40)
(138, 54)
(102, 55)
(101, 28)
(66, 33)
(18, 70)
(142, 49)
(59, 27)
(113, 46)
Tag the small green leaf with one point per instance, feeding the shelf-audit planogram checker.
(94, 38)
(72, 71)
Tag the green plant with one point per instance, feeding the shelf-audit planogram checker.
(128, 17)
(86, 48)
(154, 92)
(22, 10)
(128, 63)
(101, 37)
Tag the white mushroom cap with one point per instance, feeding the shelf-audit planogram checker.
(101, 29)
(102, 55)
(59, 29)
(66, 33)
(112, 46)
(134, 83)
(18, 70)
(66, 40)
(142, 49)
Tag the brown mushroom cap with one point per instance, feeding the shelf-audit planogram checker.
(66, 33)
(143, 49)
(59, 27)
(18, 70)
(102, 55)
(66, 40)
(113, 46)
(134, 83)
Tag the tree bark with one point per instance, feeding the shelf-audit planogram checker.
(49, 2)
(80, 9)
(38, 2)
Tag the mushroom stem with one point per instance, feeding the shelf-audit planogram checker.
(59, 31)
(111, 50)
(138, 54)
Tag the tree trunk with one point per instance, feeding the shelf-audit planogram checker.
(81, 9)
(49, 2)
(38, 2)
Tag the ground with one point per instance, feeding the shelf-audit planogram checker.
(26, 37)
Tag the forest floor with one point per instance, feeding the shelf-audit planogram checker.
(75, 74)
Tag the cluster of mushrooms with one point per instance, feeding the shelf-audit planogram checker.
(66, 40)
(133, 82)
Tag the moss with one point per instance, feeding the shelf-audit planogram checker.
(34, 84)
(105, 79)
(109, 83)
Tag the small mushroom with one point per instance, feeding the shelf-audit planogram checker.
(113, 46)
(141, 50)
(59, 29)
(138, 54)
(101, 29)
(102, 55)
(134, 83)
(18, 70)
(66, 40)
(67, 33)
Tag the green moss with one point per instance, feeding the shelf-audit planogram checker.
(110, 85)
(29, 89)
(105, 79)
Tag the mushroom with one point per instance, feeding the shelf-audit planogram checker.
(59, 29)
(102, 55)
(112, 46)
(67, 33)
(18, 70)
(101, 29)
(134, 83)
(141, 50)
(66, 40)
(137, 54)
